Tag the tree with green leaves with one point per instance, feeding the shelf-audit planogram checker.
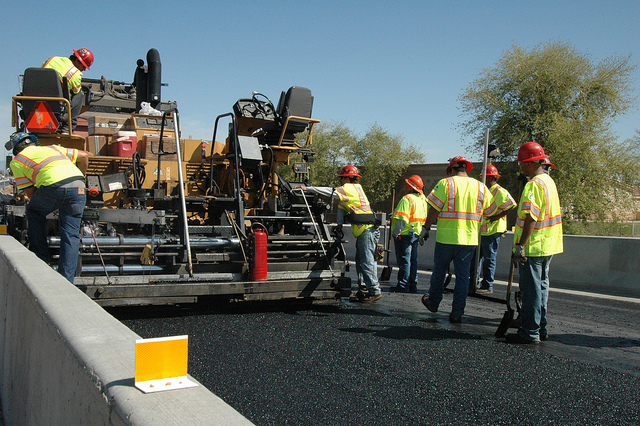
(381, 157)
(560, 98)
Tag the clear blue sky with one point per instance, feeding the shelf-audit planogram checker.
(400, 64)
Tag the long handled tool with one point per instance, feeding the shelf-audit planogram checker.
(507, 319)
(386, 271)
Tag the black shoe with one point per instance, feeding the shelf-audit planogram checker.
(543, 336)
(397, 289)
(455, 320)
(413, 290)
(427, 303)
(518, 339)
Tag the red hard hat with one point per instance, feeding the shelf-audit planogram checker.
(492, 171)
(85, 56)
(531, 151)
(547, 162)
(350, 171)
(459, 159)
(415, 182)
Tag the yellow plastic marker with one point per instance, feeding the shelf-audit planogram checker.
(161, 364)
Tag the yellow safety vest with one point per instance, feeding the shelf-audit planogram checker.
(65, 68)
(44, 165)
(412, 209)
(462, 202)
(353, 200)
(504, 201)
(540, 201)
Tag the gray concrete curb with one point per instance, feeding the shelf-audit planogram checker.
(64, 360)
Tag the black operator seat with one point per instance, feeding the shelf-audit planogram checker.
(298, 102)
(43, 82)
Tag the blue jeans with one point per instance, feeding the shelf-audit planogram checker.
(407, 260)
(489, 252)
(462, 257)
(534, 289)
(70, 201)
(365, 263)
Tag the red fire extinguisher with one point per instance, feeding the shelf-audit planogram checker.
(258, 250)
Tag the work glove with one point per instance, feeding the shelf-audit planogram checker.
(424, 236)
(338, 233)
(518, 254)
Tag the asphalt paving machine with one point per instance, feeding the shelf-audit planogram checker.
(171, 220)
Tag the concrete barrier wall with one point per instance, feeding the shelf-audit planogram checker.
(608, 265)
(64, 360)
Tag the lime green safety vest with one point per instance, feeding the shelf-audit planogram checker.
(462, 202)
(44, 166)
(504, 201)
(540, 201)
(353, 200)
(65, 68)
(412, 210)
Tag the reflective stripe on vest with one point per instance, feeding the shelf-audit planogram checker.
(527, 206)
(44, 165)
(65, 68)
(353, 200)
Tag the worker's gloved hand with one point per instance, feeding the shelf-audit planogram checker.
(424, 236)
(338, 233)
(518, 254)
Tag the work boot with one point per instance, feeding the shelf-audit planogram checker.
(358, 296)
(372, 298)
(484, 291)
(427, 303)
(454, 319)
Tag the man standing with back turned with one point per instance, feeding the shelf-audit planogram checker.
(458, 202)
(537, 238)
(53, 179)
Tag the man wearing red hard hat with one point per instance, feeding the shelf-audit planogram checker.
(72, 68)
(459, 203)
(537, 237)
(353, 205)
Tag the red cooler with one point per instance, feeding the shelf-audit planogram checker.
(123, 144)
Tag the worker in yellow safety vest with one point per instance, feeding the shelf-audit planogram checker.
(72, 68)
(493, 228)
(52, 177)
(406, 226)
(458, 203)
(538, 236)
(354, 205)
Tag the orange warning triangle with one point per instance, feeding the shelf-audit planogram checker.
(41, 119)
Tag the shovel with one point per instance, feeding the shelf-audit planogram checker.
(386, 271)
(507, 319)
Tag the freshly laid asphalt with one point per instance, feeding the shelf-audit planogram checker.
(393, 362)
